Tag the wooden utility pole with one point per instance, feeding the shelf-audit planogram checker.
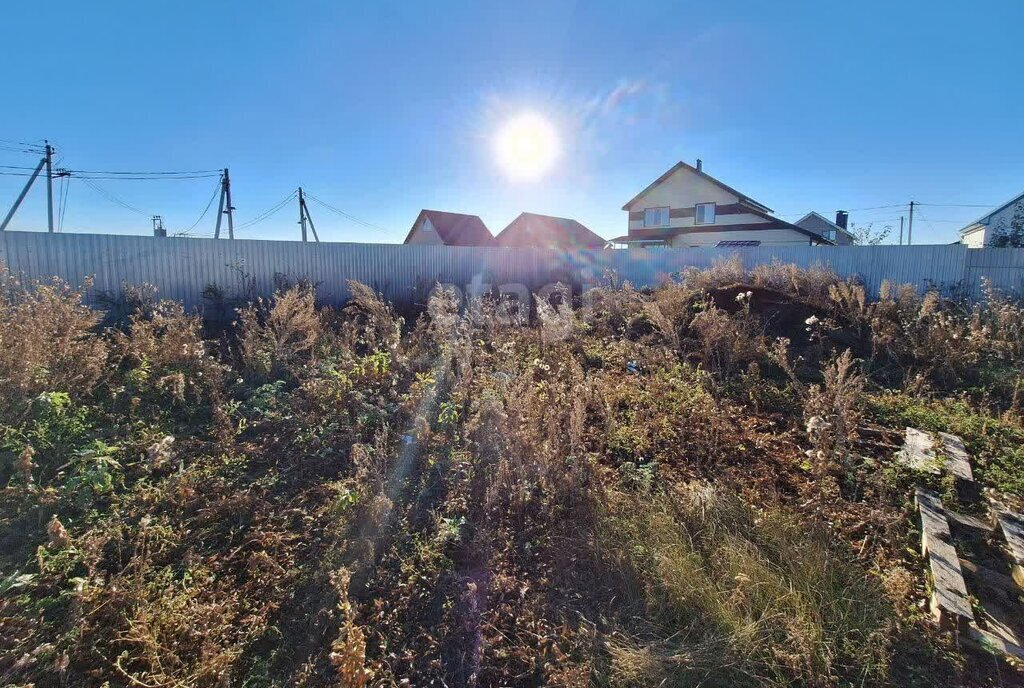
(910, 226)
(48, 156)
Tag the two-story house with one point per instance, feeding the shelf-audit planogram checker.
(686, 207)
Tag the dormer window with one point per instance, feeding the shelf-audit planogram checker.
(705, 214)
(656, 217)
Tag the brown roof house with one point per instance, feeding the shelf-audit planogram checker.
(438, 228)
(686, 207)
(530, 230)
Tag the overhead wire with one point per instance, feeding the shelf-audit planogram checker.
(159, 173)
(62, 202)
(268, 212)
(112, 198)
(195, 224)
(344, 214)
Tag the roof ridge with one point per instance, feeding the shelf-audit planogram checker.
(700, 172)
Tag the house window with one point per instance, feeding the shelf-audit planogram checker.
(656, 217)
(705, 214)
(830, 235)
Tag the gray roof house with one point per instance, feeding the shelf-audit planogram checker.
(836, 232)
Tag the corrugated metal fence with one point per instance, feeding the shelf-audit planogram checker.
(182, 268)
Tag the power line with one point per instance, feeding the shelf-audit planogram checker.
(348, 216)
(216, 188)
(162, 173)
(959, 205)
(267, 213)
(111, 197)
(62, 203)
(117, 178)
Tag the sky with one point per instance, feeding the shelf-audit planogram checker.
(379, 109)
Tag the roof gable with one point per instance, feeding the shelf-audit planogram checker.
(984, 219)
(822, 218)
(702, 175)
(531, 230)
(455, 229)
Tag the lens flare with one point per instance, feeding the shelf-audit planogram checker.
(527, 147)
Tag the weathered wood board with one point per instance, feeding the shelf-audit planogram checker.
(950, 603)
(1013, 530)
(994, 643)
(918, 451)
(957, 461)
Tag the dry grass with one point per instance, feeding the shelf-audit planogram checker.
(47, 342)
(618, 496)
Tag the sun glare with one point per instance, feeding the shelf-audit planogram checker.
(527, 147)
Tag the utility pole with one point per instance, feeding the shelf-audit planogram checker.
(305, 218)
(910, 226)
(230, 208)
(49, 184)
(158, 227)
(225, 207)
(21, 197)
(901, 230)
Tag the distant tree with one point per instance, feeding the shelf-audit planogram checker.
(867, 235)
(1010, 235)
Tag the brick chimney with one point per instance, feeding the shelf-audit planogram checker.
(700, 165)
(841, 218)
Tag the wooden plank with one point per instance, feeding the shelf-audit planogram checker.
(992, 580)
(950, 603)
(958, 462)
(918, 451)
(993, 643)
(968, 521)
(1013, 530)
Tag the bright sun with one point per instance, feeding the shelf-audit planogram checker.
(527, 146)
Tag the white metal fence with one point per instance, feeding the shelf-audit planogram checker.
(182, 269)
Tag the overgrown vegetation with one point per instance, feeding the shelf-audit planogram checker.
(691, 486)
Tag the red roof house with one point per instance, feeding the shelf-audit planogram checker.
(530, 230)
(436, 227)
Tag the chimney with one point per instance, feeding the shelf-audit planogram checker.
(700, 165)
(841, 218)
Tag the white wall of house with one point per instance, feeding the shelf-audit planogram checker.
(775, 237)
(975, 237)
(425, 234)
(980, 235)
(685, 189)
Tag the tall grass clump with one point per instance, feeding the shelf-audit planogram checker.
(48, 341)
(715, 593)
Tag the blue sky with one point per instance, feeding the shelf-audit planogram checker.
(384, 108)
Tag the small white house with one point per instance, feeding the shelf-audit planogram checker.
(982, 231)
(686, 207)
